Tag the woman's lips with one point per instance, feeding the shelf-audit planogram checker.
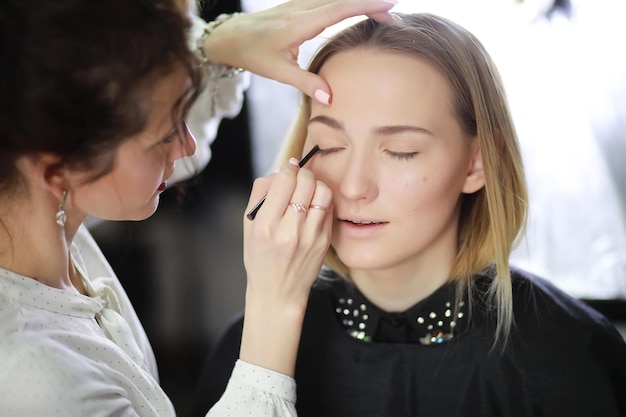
(361, 228)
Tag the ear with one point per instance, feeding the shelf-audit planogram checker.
(44, 171)
(475, 179)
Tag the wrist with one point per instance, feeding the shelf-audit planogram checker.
(271, 337)
(202, 49)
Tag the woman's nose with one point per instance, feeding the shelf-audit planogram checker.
(358, 179)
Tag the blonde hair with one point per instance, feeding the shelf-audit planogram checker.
(492, 218)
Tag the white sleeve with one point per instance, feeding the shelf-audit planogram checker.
(222, 97)
(254, 391)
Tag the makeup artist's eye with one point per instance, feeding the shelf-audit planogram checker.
(170, 137)
(173, 134)
(403, 156)
(328, 151)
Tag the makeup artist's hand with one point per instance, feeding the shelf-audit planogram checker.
(267, 42)
(283, 252)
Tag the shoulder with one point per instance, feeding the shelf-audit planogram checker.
(565, 349)
(534, 296)
(546, 316)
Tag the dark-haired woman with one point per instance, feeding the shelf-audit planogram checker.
(94, 99)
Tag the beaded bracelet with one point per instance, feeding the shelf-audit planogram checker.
(215, 70)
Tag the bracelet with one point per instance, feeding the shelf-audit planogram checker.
(214, 70)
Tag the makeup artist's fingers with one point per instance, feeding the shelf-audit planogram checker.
(277, 190)
(316, 232)
(285, 241)
(321, 203)
(268, 42)
(296, 211)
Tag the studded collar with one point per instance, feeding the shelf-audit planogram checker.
(432, 321)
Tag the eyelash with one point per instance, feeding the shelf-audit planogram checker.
(327, 151)
(170, 137)
(402, 156)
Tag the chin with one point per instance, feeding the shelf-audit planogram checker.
(362, 260)
(144, 213)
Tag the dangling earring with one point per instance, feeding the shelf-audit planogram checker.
(61, 216)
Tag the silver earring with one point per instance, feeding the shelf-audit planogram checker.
(61, 216)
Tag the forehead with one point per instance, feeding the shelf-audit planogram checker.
(167, 91)
(380, 83)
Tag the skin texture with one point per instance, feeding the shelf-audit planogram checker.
(397, 162)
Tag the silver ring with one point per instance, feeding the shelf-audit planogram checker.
(315, 206)
(298, 208)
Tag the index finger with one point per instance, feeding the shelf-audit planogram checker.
(325, 13)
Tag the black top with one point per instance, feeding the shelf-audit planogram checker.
(436, 359)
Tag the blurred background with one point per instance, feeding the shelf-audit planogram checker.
(565, 72)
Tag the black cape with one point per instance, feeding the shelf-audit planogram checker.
(563, 359)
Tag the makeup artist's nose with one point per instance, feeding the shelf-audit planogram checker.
(185, 146)
(358, 178)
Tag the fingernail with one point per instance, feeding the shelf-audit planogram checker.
(293, 161)
(391, 1)
(322, 96)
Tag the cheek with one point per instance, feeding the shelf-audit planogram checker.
(437, 191)
(327, 173)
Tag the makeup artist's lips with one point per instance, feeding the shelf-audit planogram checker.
(361, 228)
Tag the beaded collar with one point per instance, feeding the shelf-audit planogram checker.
(432, 321)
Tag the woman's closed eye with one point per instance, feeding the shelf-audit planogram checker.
(403, 156)
(328, 151)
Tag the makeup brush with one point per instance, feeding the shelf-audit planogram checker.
(252, 213)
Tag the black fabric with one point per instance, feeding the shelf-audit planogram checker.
(562, 359)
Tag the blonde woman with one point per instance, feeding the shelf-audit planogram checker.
(418, 312)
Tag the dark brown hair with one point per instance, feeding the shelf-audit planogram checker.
(74, 74)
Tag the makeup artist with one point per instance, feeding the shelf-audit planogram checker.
(94, 99)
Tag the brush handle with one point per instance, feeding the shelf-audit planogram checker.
(252, 213)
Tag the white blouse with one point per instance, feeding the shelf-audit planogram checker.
(64, 354)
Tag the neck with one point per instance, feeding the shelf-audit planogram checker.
(399, 287)
(33, 245)
(395, 292)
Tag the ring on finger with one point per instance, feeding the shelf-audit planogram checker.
(298, 208)
(315, 206)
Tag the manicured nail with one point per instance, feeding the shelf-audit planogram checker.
(391, 1)
(293, 161)
(322, 96)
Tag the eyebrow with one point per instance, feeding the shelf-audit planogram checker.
(382, 130)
